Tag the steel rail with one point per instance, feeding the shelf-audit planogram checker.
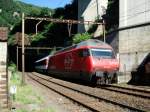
(57, 91)
(128, 91)
(97, 97)
(129, 88)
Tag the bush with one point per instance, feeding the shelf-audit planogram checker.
(81, 37)
(38, 37)
(12, 67)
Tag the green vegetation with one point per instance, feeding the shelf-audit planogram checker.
(11, 40)
(38, 37)
(46, 31)
(10, 11)
(42, 34)
(81, 37)
(26, 98)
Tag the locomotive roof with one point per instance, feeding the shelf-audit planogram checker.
(91, 42)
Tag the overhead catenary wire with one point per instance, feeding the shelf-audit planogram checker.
(42, 48)
(71, 21)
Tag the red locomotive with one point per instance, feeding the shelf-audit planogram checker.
(90, 60)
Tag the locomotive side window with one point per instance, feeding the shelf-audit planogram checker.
(84, 53)
(104, 53)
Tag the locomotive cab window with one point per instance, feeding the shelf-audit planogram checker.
(103, 53)
(84, 53)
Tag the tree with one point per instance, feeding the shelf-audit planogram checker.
(6, 4)
(45, 12)
(81, 37)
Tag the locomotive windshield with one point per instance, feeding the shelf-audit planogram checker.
(102, 53)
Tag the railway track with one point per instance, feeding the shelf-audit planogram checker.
(129, 91)
(84, 100)
(100, 98)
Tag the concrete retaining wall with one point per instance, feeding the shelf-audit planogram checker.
(134, 39)
(134, 45)
(124, 77)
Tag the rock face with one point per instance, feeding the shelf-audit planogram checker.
(89, 10)
(18, 39)
(3, 69)
(3, 33)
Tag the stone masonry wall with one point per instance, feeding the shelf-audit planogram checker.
(3, 69)
(134, 45)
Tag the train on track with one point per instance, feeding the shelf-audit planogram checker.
(91, 60)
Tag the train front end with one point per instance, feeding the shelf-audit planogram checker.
(105, 65)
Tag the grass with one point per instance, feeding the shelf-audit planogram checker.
(25, 95)
(43, 110)
(26, 98)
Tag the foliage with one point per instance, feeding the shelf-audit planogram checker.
(10, 16)
(45, 12)
(41, 35)
(11, 40)
(81, 37)
(48, 27)
(7, 9)
(49, 35)
(22, 95)
(58, 33)
(12, 67)
(37, 37)
(26, 95)
(11, 11)
(47, 31)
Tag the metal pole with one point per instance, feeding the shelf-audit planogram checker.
(69, 29)
(37, 26)
(104, 33)
(17, 57)
(23, 62)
